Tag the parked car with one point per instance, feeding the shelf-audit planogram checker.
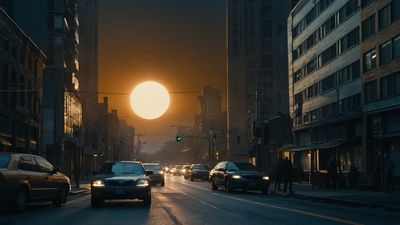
(121, 180)
(198, 171)
(158, 173)
(238, 175)
(28, 178)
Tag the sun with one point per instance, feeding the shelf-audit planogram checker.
(149, 100)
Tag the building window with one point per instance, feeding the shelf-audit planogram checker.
(328, 54)
(365, 3)
(390, 85)
(384, 17)
(385, 52)
(396, 47)
(369, 60)
(395, 10)
(311, 66)
(370, 91)
(350, 40)
(328, 83)
(368, 27)
(328, 26)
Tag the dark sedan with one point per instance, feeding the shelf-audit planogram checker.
(28, 178)
(238, 175)
(121, 180)
(198, 171)
(158, 173)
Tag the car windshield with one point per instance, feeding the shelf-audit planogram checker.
(241, 166)
(200, 167)
(122, 168)
(152, 167)
(4, 160)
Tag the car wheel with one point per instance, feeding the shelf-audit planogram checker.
(213, 186)
(191, 178)
(96, 202)
(62, 197)
(227, 186)
(21, 201)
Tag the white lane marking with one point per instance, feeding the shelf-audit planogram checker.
(76, 200)
(278, 207)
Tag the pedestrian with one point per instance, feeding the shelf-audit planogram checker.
(388, 173)
(76, 172)
(288, 175)
(332, 172)
(278, 172)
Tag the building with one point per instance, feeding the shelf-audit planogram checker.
(257, 75)
(126, 141)
(324, 83)
(21, 85)
(380, 49)
(210, 124)
(54, 26)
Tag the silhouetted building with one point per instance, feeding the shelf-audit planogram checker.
(54, 26)
(257, 74)
(126, 136)
(324, 83)
(380, 49)
(21, 85)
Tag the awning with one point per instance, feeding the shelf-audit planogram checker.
(325, 145)
(4, 142)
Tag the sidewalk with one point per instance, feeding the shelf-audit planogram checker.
(347, 196)
(84, 187)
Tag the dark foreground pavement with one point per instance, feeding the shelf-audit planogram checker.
(186, 202)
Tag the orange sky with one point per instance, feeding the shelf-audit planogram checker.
(179, 43)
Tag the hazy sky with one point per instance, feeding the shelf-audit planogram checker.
(179, 43)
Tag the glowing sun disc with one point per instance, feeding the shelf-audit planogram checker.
(149, 100)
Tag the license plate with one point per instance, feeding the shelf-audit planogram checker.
(119, 191)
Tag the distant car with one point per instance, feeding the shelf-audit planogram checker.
(238, 175)
(176, 170)
(198, 171)
(158, 173)
(185, 171)
(28, 178)
(121, 180)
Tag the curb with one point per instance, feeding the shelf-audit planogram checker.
(343, 202)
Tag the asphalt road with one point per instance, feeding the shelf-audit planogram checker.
(192, 202)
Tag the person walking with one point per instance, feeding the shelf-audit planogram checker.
(288, 175)
(332, 172)
(278, 172)
(77, 173)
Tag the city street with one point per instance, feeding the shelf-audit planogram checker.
(192, 202)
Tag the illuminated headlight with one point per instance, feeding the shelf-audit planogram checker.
(98, 183)
(237, 177)
(161, 172)
(142, 183)
(183, 171)
(265, 177)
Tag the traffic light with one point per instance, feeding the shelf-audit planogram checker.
(178, 138)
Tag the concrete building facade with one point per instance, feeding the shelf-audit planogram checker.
(324, 83)
(21, 84)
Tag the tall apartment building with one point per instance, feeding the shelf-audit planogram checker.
(380, 49)
(21, 85)
(54, 26)
(257, 74)
(324, 83)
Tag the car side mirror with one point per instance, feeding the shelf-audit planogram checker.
(148, 173)
(94, 172)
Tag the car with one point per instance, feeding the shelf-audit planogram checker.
(176, 170)
(121, 180)
(185, 171)
(198, 171)
(26, 178)
(238, 175)
(158, 173)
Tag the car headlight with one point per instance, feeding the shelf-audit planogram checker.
(142, 183)
(265, 177)
(236, 177)
(161, 172)
(98, 183)
(184, 171)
